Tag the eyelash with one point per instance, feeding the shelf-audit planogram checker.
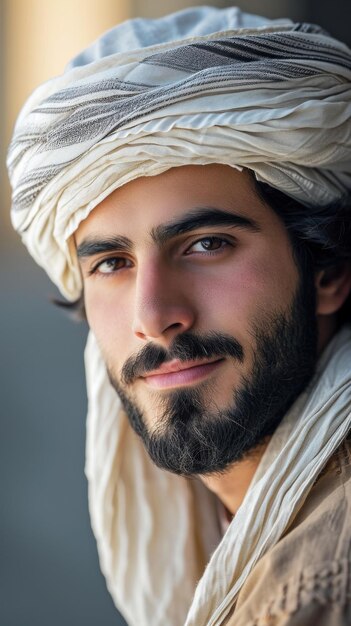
(95, 269)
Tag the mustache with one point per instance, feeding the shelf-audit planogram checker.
(185, 347)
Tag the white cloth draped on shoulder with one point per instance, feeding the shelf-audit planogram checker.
(200, 86)
(156, 531)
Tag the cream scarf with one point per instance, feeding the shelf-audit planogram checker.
(200, 86)
(156, 531)
(273, 97)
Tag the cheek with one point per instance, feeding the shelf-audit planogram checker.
(110, 322)
(246, 290)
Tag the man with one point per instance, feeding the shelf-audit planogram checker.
(188, 180)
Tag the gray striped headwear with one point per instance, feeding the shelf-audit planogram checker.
(200, 86)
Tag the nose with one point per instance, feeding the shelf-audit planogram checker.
(163, 307)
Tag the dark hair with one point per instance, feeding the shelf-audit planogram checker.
(75, 309)
(320, 238)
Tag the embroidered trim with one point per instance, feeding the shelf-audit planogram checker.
(328, 585)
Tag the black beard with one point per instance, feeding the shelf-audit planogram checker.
(192, 439)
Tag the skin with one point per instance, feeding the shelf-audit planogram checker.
(159, 290)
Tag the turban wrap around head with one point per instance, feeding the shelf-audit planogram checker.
(200, 86)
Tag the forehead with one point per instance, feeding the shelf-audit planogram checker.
(137, 208)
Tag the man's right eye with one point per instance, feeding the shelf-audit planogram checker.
(109, 266)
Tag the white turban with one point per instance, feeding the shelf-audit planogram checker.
(200, 86)
(197, 87)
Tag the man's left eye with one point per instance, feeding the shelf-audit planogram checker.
(208, 244)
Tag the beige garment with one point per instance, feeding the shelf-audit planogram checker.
(305, 579)
(154, 555)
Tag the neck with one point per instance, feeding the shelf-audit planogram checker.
(232, 486)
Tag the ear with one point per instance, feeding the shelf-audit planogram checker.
(333, 285)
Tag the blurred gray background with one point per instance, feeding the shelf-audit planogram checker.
(49, 572)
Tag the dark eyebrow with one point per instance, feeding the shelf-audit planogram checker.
(193, 220)
(91, 246)
(200, 218)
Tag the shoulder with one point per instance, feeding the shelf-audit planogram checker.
(306, 578)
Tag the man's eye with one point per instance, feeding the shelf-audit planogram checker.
(109, 266)
(208, 244)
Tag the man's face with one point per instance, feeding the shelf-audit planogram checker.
(207, 330)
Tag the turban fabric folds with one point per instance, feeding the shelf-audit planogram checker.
(200, 86)
(154, 94)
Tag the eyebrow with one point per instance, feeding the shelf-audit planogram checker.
(193, 220)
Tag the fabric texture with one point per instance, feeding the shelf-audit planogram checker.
(153, 94)
(156, 531)
(201, 86)
(305, 580)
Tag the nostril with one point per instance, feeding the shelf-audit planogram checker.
(175, 326)
(140, 335)
(162, 318)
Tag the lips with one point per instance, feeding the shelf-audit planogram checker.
(177, 373)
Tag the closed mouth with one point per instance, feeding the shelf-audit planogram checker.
(176, 373)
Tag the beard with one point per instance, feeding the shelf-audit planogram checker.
(194, 437)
